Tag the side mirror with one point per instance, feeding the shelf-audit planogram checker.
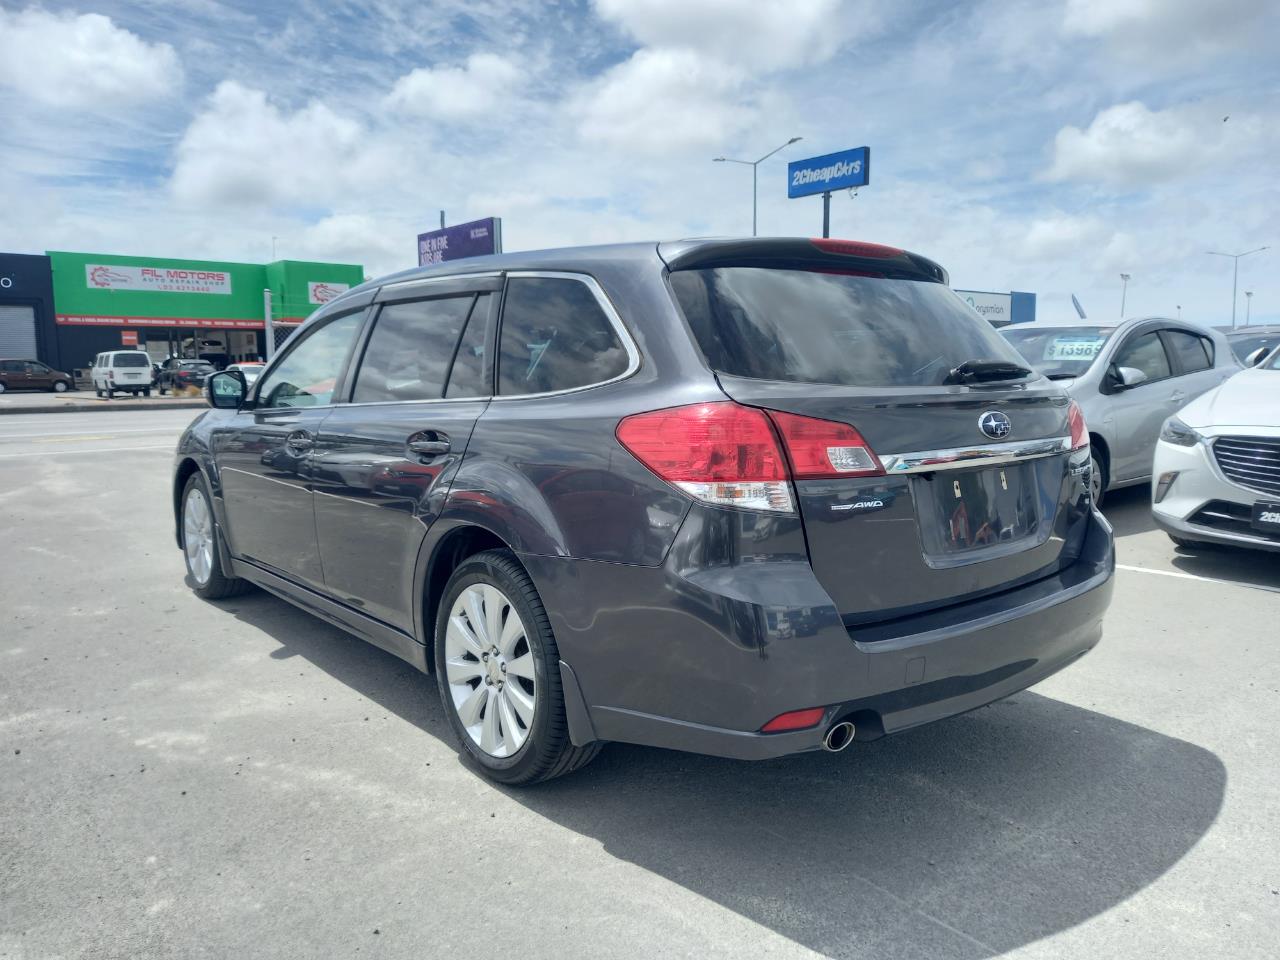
(225, 390)
(1257, 356)
(1130, 377)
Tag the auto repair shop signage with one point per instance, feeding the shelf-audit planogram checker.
(323, 292)
(100, 276)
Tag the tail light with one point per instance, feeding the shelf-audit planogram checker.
(719, 453)
(1079, 430)
(820, 449)
(729, 455)
(855, 248)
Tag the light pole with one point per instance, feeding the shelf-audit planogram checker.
(1248, 304)
(753, 164)
(1123, 291)
(1235, 274)
(1179, 311)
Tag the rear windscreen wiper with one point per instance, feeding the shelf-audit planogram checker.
(986, 371)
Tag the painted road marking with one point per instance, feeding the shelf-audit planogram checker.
(1191, 576)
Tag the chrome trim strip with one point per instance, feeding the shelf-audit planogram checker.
(957, 458)
(624, 335)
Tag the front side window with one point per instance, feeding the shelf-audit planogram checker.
(1194, 353)
(1145, 353)
(307, 376)
(555, 336)
(409, 350)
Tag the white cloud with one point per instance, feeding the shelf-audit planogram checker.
(243, 150)
(1168, 28)
(764, 35)
(1130, 145)
(84, 61)
(485, 81)
(665, 101)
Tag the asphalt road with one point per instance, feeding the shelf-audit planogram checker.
(188, 779)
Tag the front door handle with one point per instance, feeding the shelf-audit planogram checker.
(1177, 396)
(429, 444)
(299, 441)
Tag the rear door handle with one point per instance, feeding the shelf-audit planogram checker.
(429, 444)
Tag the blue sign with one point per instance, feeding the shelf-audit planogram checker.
(478, 238)
(834, 171)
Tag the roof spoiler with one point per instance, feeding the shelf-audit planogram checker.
(855, 256)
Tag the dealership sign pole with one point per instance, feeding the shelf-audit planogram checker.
(833, 171)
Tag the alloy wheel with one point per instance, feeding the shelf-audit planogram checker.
(197, 536)
(489, 666)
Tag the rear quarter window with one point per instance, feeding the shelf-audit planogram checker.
(555, 336)
(813, 326)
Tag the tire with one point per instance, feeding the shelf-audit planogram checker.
(544, 751)
(111, 393)
(146, 392)
(204, 563)
(160, 387)
(1097, 479)
(2, 388)
(60, 386)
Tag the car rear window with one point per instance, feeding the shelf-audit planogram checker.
(132, 360)
(814, 326)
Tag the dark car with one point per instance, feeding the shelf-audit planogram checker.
(32, 375)
(178, 375)
(740, 497)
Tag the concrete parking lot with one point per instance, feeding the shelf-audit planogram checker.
(187, 779)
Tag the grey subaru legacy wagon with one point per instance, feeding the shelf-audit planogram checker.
(740, 497)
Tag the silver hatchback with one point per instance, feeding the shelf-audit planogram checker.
(1128, 377)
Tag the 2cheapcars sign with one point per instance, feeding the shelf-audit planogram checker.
(832, 171)
(100, 276)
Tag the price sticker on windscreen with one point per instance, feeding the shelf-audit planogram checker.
(1073, 348)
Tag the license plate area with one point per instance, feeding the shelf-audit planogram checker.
(972, 513)
(1266, 517)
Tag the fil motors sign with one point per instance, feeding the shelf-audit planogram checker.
(102, 276)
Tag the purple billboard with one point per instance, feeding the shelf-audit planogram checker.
(475, 239)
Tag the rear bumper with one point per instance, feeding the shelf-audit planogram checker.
(706, 674)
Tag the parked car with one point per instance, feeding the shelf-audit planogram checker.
(1252, 344)
(122, 371)
(32, 375)
(249, 369)
(739, 497)
(1127, 377)
(1217, 465)
(177, 374)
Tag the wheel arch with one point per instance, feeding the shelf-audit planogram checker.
(436, 564)
(181, 474)
(1099, 446)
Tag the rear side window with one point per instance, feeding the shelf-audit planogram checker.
(1145, 353)
(410, 349)
(555, 336)
(1195, 353)
(132, 360)
(840, 328)
(469, 377)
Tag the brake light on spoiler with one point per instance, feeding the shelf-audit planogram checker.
(729, 455)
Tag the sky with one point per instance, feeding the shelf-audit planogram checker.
(1038, 145)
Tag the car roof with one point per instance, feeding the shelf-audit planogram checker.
(1254, 330)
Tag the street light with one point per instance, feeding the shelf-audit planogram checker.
(753, 164)
(1248, 304)
(1235, 274)
(1179, 311)
(1123, 290)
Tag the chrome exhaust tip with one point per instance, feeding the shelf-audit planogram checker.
(838, 737)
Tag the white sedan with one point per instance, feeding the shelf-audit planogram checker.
(1217, 464)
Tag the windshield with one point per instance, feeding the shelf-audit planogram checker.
(1243, 346)
(1058, 351)
(1274, 362)
(806, 326)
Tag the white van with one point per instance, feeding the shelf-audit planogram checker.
(122, 371)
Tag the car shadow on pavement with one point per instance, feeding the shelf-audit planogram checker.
(965, 838)
(1254, 568)
(1129, 510)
